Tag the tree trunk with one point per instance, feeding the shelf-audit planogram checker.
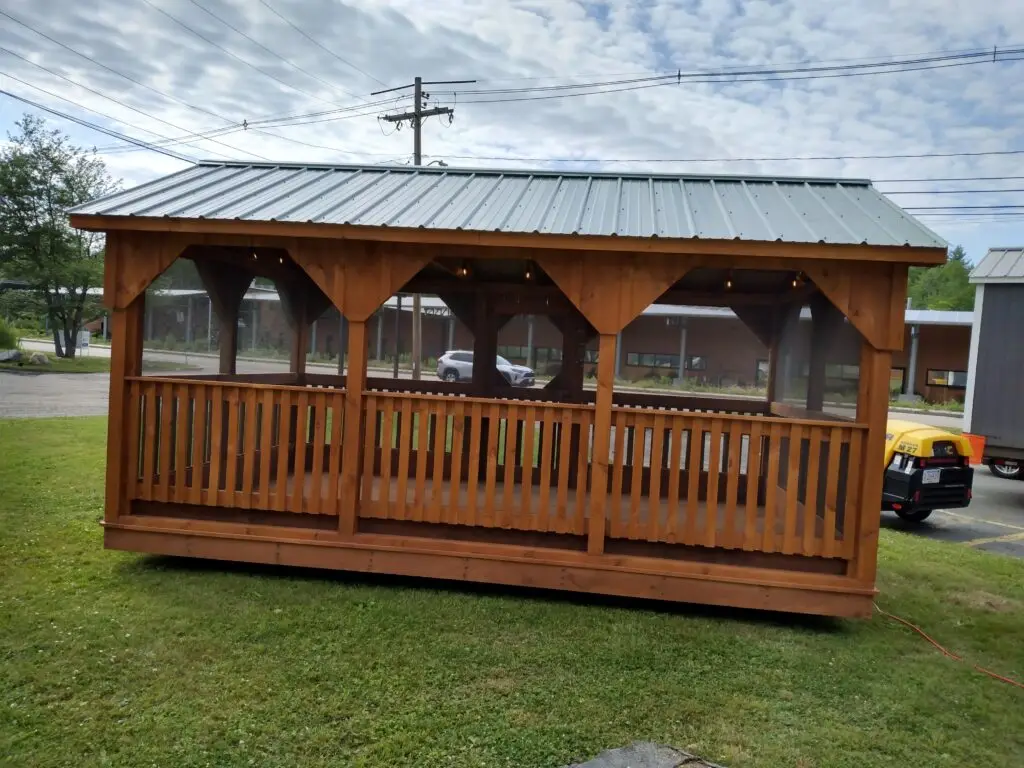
(57, 348)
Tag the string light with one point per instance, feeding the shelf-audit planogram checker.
(728, 281)
(463, 270)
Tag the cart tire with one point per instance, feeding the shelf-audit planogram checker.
(913, 515)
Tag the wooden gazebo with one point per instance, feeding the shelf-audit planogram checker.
(755, 503)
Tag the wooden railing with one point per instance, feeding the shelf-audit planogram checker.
(751, 483)
(708, 479)
(248, 446)
(488, 463)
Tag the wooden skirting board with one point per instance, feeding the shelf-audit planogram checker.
(620, 575)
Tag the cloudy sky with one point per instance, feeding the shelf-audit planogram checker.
(299, 74)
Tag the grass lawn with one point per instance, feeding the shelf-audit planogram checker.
(89, 364)
(126, 660)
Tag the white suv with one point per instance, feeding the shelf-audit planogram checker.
(457, 365)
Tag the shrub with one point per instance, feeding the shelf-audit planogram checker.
(8, 335)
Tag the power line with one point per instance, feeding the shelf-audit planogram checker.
(217, 45)
(956, 178)
(119, 102)
(951, 191)
(315, 42)
(734, 159)
(287, 61)
(962, 207)
(95, 127)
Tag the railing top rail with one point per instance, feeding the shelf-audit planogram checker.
(633, 413)
(219, 383)
(452, 397)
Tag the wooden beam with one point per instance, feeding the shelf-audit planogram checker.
(302, 302)
(871, 296)
(873, 410)
(611, 289)
(125, 360)
(226, 288)
(602, 432)
(352, 441)
(133, 260)
(638, 245)
(760, 320)
(358, 277)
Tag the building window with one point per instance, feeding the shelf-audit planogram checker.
(590, 355)
(632, 358)
(696, 363)
(955, 379)
(897, 379)
(666, 361)
(512, 352)
(647, 359)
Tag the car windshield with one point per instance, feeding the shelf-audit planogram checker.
(503, 361)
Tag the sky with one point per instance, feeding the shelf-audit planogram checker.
(171, 69)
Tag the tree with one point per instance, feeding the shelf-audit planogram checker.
(42, 176)
(945, 287)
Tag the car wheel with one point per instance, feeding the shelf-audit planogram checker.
(1001, 470)
(913, 515)
(451, 375)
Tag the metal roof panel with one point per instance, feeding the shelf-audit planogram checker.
(1000, 265)
(633, 205)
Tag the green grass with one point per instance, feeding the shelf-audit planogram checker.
(121, 659)
(89, 364)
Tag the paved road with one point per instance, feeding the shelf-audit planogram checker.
(994, 521)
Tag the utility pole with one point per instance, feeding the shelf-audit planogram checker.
(416, 116)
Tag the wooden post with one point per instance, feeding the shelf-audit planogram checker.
(226, 287)
(352, 442)
(602, 435)
(872, 410)
(125, 360)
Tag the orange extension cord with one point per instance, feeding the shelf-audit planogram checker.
(944, 651)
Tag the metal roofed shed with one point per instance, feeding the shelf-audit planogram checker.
(1000, 265)
(528, 202)
(993, 407)
(756, 502)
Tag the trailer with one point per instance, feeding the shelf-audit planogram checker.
(994, 406)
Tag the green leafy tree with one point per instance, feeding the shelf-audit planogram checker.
(945, 287)
(42, 176)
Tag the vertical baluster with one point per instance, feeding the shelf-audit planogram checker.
(811, 541)
(491, 471)
(404, 455)
(453, 511)
(525, 516)
(166, 456)
(835, 445)
(506, 513)
(473, 470)
(714, 475)
(675, 460)
(135, 438)
(771, 482)
(200, 441)
(754, 458)
(285, 407)
(249, 446)
(371, 426)
(582, 467)
(636, 476)
(179, 485)
(852, 509)
(655, 529)
(297, 496)
(564, 463)
(732, 483)
(388, 425)
(318, 429)
(333, 493)
(266, 446)
(789, 531)
(422, 430)
(440, 420)
(695, 466)
(547, 428)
